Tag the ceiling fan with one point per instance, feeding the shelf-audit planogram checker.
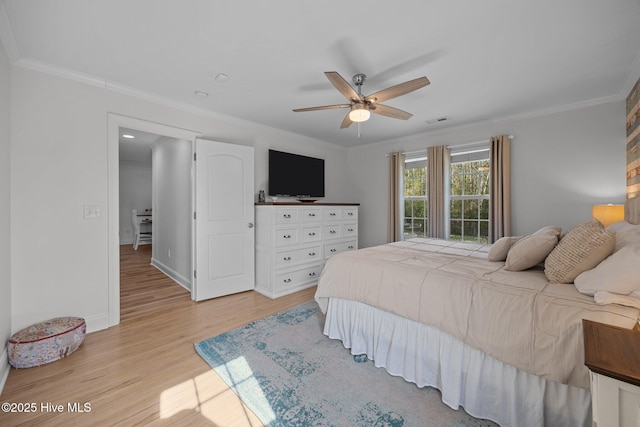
(361, 107)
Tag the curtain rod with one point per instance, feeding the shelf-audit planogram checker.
(484, 141)
(468, 144)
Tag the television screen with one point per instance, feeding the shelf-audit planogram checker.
(293, 175)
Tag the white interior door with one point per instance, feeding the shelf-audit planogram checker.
(224, 207)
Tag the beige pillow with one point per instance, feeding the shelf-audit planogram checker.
(500, 248)
(550, 230)
(529, 251)
(581, 249)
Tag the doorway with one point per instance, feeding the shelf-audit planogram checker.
(155, 183)
(115, 123)
(222, 198)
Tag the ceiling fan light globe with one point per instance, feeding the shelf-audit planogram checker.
(359, 114)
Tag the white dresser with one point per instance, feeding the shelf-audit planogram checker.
(293, 241)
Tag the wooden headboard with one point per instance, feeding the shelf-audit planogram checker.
(632, 210)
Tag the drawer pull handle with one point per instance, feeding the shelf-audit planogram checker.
(287, 258)
(312, 234)
(332, 214)
(351, 229)
(312, 254)
(332, 231)
(350, 246)
(350, 214)
(287, 215)
(287, 280)
(287, 236)
(313, 273)
(333, 250)
(312, 214)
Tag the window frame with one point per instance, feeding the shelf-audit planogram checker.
(420, 162)
(482, 223)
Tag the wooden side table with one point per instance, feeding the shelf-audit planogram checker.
(612, 354)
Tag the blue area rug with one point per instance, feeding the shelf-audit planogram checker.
(290, 374)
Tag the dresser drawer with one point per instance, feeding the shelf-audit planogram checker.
(332, 231)
(331, 249)
(291, 279)
(298, 256)
(332, 214)
(286, 215)
(350, 229)
(311, 233)
(311, 215)
(350, 213)
(286, 236)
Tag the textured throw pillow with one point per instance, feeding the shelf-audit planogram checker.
(619, 273)
(529, 251)
(550, 230)
(500, 248)
(582, 248)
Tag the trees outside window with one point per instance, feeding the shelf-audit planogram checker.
(415, 199)
(469, 201)
(468, 198)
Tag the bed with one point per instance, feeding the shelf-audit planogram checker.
(505, 345)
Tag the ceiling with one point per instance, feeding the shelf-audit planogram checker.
(136, 150)
(486, 60)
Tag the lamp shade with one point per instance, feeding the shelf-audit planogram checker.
(359, 113)
(608, 214)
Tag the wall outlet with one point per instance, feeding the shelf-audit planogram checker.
(92, 212)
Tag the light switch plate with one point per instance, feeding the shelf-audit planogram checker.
(92, 212)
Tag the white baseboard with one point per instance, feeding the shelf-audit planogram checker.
(172, 274)
(4, 368)
(97, 322)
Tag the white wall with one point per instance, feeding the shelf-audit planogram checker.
(562, 164)
(135, 193)
(172, 209)
(5, 217)
(59, 164)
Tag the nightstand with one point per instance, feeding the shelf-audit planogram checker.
(612, 355)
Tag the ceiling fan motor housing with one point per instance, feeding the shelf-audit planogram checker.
(359, 79)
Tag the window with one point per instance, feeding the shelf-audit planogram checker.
(415, 198)
(469, 196)
(468, 204)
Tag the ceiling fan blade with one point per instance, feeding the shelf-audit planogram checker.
(324, 107)
(385, 110)
(397, 90)
(342, 85)
(346, 122)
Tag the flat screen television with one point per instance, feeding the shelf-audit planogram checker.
(293, 175)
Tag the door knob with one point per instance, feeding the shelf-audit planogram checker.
(250, 225)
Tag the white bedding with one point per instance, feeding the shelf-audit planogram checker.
(518, 318)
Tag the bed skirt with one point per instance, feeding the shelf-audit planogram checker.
(485, 387)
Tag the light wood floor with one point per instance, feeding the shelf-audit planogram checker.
(145, 370)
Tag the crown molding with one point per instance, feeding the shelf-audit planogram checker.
(513, 118)
(65, 73)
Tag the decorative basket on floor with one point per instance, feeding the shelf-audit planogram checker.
(46, 342)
